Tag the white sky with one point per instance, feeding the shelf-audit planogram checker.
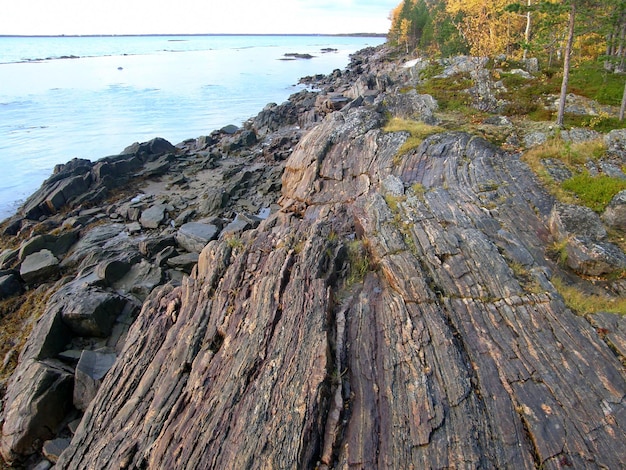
(53, 17)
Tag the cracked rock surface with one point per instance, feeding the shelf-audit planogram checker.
(388, 313)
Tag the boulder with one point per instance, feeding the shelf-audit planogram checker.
(153, 245)
(571, 219)
(90, 370)
(534, 139)
(194, 236)
(229, 129)
(412, 105)
(578, 135)
(37, 400)
(616, 143)
(153, 217)
(8, 257)
(10, 285)
(92, 311)
(42, 266)
(594, 258)
(615, 213)
(155, 147)
(184, 262)
(57, 244)
(162, 256)
(140, 280)
(213, 201)
(241, 223)
(52, 449)
(113, 270)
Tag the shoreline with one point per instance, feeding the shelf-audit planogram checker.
(203, 102)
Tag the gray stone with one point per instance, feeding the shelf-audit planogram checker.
(242, 222)
(54, 448)
(8, 257)
(557, 169)
(43, 465)
(42, 266)
(153, 245)
(73, 425)
(93, 242)
(393, 185)
(37, 400)
(532, 65)
(90, 370)
(535, 139)
(594, 258)
(521, 73)
(229, 129)
(578, 135)
(412, 105)
(616, 143)
(213, 201)
(133, 227)
(92, 312)
(184, 262)
(161, 257)
(71, 355)
(615, 213)
(111, 271)
(153, 217)
(194, 236)
(140, 280)
(570, 219)
(57, 245)
(184, 217)
(10, 286)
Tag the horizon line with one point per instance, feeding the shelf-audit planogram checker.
(188, 34)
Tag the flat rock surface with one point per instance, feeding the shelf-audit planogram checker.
(436, 355)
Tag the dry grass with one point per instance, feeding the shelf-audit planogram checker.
(418, 131)
(585, 304)
(17, 317)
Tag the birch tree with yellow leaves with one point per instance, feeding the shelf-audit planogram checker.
(486, 26)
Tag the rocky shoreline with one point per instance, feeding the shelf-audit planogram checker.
(289, 294)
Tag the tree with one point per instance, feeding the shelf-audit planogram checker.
(486, 26)
(405, 27)
(566, 62)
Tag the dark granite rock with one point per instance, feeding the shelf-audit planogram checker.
(90, 370)
(615, 213)
(54, 448)
(570, 219)
(10, 286)
(92, 311)
(37, 401)
(194, 236)
(184, 262)
(41, 266)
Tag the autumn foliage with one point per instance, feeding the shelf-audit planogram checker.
(512, 27)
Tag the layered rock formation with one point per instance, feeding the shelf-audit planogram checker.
(387, 313)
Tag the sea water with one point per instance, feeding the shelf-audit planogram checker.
(90, 97)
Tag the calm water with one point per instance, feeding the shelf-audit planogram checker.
(122, 90)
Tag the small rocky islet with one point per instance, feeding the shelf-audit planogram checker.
(295, 293)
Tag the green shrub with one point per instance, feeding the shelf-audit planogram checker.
(594, 191)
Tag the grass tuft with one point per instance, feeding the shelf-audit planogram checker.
(585, 304)
(418, 131)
